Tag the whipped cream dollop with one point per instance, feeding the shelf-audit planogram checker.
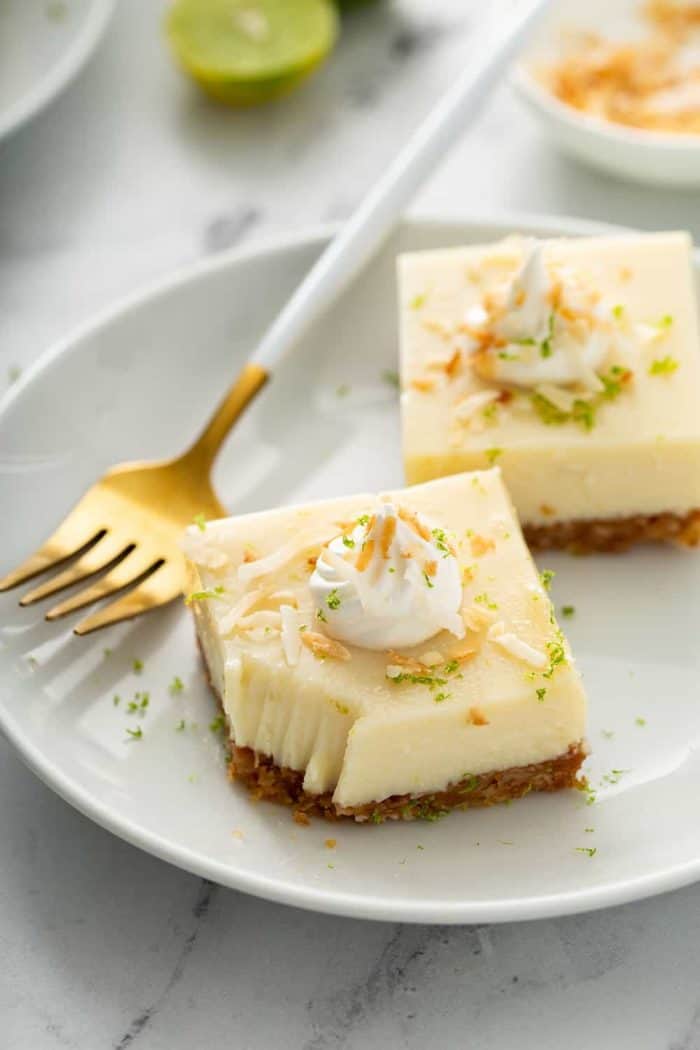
(393, 581)
(548, 327)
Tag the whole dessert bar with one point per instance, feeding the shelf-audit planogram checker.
(391, 656)
(574, 365)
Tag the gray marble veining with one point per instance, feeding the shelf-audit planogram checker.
(128, 176)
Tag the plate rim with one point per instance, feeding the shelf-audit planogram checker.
(282, 890)
(62, 73)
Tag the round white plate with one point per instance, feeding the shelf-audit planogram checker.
(139, 382)
(642, 156)
(43, 45)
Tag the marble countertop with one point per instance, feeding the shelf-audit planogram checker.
(129, 175)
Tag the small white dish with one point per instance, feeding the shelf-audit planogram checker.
(43, 45)
(138, 382)
(630, 153)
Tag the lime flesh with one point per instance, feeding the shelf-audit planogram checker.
(244, 52)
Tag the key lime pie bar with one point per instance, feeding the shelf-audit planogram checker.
(573, 364)
(387, 657)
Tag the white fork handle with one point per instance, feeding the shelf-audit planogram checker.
(375, 217)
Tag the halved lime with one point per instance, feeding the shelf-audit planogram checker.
(244, 52)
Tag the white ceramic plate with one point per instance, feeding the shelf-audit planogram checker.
(43, 44)
(631, 153)
(140, 382)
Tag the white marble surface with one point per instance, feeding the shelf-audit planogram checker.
(129, 175)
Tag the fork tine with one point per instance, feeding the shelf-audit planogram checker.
(66, 541)
(157, 589)
(98, 557)
(129, 570)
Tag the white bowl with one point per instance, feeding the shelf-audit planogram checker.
(41, 53)
(630, 153)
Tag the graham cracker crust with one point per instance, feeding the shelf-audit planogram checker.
(611, 535)
(264, 779)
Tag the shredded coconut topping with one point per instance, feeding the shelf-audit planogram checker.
(253, 570)
(291, 636)
(516, 647)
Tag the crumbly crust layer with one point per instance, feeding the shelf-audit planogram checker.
(264, 779)
(612, 535)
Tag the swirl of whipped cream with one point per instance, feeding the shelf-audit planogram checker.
(392, 582)
(548, 329)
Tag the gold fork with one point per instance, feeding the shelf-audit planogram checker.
(130, 523)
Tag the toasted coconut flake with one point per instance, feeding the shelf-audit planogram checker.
(437, 363)
(454, 363)
(463, 655)
(477, 717)
(407, 663)
(387, 537)
(645, 82)
(324, 647)
(413, 521)
(277, 560)
(477, 618)
(561, 399)
(291, 636)
(469, 407)
(365, 556)
(425, 385)
(230, 620)
(284, 597)
(483, 363)
(249, 555)
(266, 618)
(448, 365)
(481, 545)
(431, 568)
(432, 658)
(517, 648)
